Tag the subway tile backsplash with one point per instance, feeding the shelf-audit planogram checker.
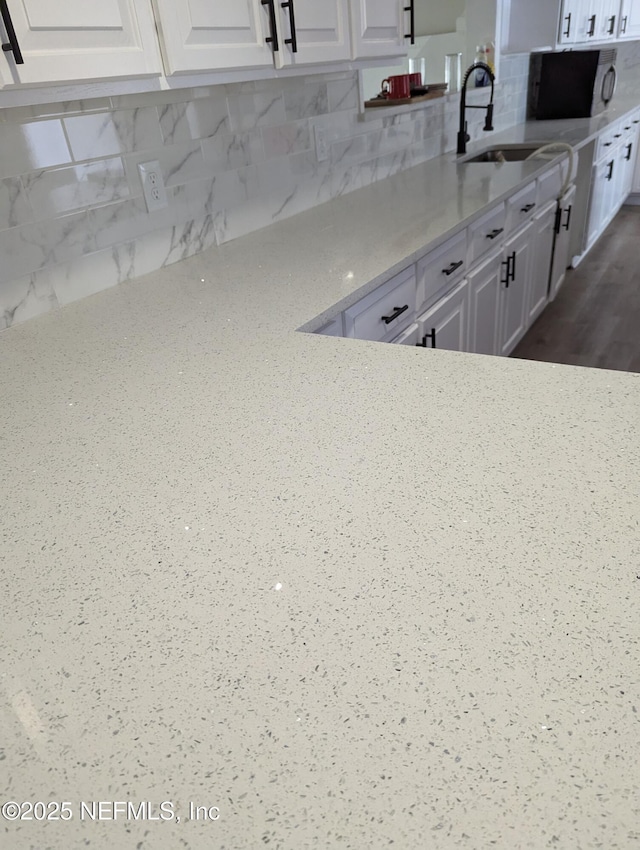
(235, 158)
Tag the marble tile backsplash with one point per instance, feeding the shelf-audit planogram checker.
(235, 158)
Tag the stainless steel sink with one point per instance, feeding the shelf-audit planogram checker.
(503, 153)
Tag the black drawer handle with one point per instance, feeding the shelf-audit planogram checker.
(567, 32)
(636, 120)
(12, 46)
(623, 28)
(412, 17)
(612, 24)
(607, 144)
(452, 268)
(397, 311)
(610, 174)
(527, 208)
(273, 38)
(629, 149)
(568, 211)
(293, 41)
(495, 233)
(617, 135)
(592, 26)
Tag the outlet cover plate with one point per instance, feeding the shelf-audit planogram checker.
(155, 194)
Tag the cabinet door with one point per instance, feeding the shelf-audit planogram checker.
(513, 295)
(608, 20)
(601, 192)
(629, 154)
(561, 258)
(76, 40)
(588, 22)
(446, 324)
(544, 225)
(630, 19)
(485, 283)
(377, 28)
(198, 35)
(312, 32)
(573, 21)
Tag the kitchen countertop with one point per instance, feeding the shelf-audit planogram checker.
(351, 594)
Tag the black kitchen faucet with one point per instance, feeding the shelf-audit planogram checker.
(463, 136)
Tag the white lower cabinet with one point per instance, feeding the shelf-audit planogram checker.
(561, 258)
(517, 271)
(446, 324)
(485, 284)
(544, 226)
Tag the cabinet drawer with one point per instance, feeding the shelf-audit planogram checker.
(607, 140)
(520, 207)
(409, 337)
(334, 328)
(441, 269)
(385, 311)
(549, 185)
(446, 324)
(486, 232)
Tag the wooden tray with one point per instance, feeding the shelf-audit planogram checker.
(370, 104)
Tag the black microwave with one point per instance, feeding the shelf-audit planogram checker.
(572, 84)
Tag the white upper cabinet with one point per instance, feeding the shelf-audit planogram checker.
(213, 35)
(630, 19)
(78, 40)
(312, 32)
(573, 21)
(608, 23)
(377, 28)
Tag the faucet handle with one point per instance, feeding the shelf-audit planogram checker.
(488, 124)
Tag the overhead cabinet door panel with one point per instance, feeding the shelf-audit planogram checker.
(80, 40)
(312, 32)
(214, 35)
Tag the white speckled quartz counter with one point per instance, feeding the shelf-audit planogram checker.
(354, 595)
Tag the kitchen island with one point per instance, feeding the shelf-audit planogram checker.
(332, 593)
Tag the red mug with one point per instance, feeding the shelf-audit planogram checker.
(416, 80)
(398, 87)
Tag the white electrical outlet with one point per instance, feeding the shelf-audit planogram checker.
(322, 145)
(155, 194)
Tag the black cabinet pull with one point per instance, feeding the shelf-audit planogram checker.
(623, 27)
(527, 208)
(411, 8)
(397, 311)
(506, 263)
(629, 149)
(628, 128)
(607, 144)
(568, 211)
(617, 135)
(556, 226)
(495, 233)
(636, 120)
(610, 174)
(12, 46)
(592, 26)
(612, 24)
(432, 337)
(273, 38)
(452, 268)
(567, 32)
(513, 266)
(293, 41)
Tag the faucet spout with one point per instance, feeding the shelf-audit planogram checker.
(463, 136)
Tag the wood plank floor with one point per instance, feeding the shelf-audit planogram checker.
(595, 320)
